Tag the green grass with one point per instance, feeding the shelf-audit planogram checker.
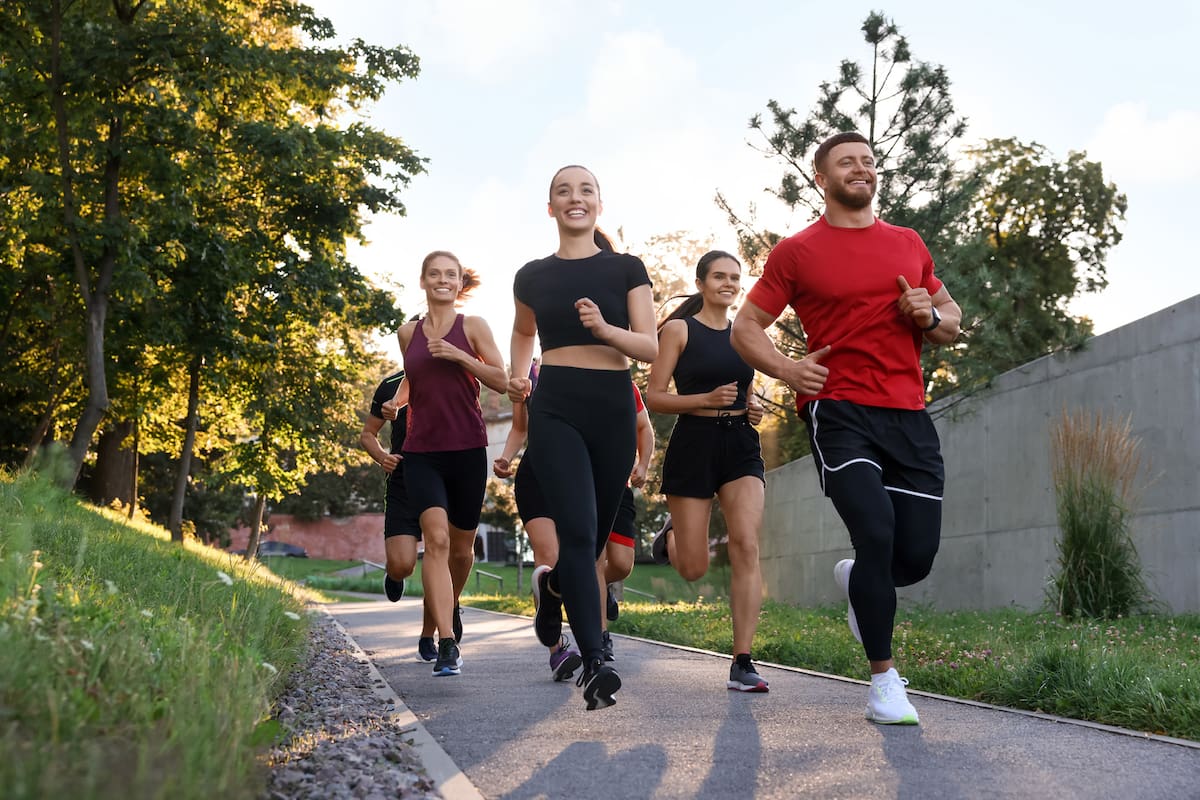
(131, 666)
(1140, 672)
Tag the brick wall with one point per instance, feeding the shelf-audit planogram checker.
(348, 539)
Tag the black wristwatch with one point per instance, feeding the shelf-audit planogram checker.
(937, 320)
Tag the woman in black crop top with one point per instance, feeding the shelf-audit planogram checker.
(714, 449)
(594, 311)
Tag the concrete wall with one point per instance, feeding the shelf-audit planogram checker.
(999, 527)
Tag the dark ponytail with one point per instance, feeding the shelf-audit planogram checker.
(602, 241)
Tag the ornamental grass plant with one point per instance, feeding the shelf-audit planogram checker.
(1095, 464)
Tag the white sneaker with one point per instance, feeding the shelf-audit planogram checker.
(887, 702)
(841, 574)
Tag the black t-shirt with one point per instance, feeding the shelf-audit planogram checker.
(385, 392)
(709, 361)
(550, 286)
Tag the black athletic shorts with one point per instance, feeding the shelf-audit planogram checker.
(398, 517)
(902, 444)
(623, 530)
(531, 503)
(705, 453)
(451, 479)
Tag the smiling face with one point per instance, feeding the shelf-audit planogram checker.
(441, 279)
(575, 200)
(848, 177)
(723, 283)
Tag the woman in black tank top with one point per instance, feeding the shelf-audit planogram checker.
(713, 451)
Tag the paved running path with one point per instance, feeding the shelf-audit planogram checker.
(676, 732)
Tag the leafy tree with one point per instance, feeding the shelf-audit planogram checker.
(904, 109)
(1036, 235)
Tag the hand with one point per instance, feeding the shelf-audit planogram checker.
(722, 396)
(590, 317)
(638, 477)
(808, 375)
(390, 409)
(440, 348)
(519, 389)
(390, 462)
(502, 468)
(915, 303)
(754, 409)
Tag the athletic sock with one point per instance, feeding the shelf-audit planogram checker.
(743, 660)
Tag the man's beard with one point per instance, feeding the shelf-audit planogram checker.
(852, 200)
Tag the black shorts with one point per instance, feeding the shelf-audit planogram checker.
(705, 453)
(623, 530)
(531, 503)
(398, 517)
(902, 444)
(451, 479)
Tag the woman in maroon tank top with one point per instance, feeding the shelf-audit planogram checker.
(446, 356)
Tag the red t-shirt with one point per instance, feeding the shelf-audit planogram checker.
(841, 282)
(638, 403)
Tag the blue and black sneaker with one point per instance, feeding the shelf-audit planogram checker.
(392, 588)
(448, 662)
(427, 648)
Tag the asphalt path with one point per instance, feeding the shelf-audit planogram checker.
(677, 732)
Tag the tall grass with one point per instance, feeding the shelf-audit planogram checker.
(131, 667)
(1095, 463)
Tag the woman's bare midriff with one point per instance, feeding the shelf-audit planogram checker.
(586, 356)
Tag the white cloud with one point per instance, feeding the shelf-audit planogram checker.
(1129, 140)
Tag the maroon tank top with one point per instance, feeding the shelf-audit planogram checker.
(443, 398)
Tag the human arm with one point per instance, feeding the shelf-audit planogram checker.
(517, 433)
(488, 367)
(917, 304)
(645, 449)
(754, 407)
(749, 337)
(640, 341)
(659, 398)
(391, 409)
(520, 354)
(369, 438)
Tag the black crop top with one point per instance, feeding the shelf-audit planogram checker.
(550, 286)
(709, 361)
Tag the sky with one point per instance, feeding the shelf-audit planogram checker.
(655, 98)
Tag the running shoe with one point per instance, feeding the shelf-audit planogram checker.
(841, 574)
(611, 609)
(745, 679)
(887, 702)
(547, 619)
(427, 648)
(449, 662)
(564, 661)
(393, 589)
(658, 550)
(606, 642)
(600, 683)
(456, 625)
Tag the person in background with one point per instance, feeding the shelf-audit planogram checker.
(714, 450)
(446, 356)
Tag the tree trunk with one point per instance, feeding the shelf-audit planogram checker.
(133, 469)
(110, 481)
(175, 522)
(260, 505)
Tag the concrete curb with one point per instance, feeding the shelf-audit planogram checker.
(449, 780)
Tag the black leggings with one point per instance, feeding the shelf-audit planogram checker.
(895, 537)
(582, 442)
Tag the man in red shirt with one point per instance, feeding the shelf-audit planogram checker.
(868, 299)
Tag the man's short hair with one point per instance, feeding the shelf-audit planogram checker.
(832, 142)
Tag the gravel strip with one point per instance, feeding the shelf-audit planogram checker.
(341, 740)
